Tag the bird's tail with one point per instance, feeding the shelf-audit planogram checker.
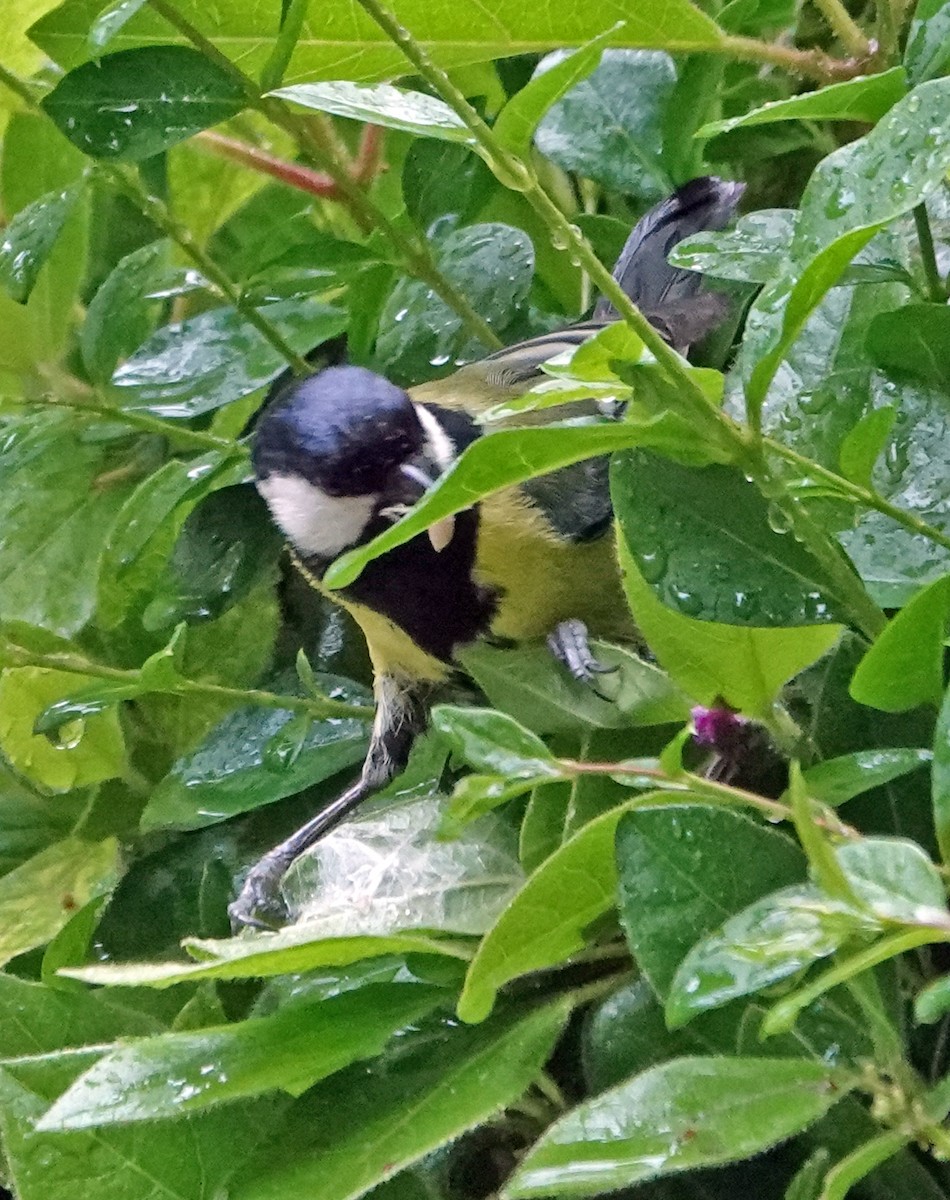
(669, 296)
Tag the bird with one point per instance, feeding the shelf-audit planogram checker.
(342, 453)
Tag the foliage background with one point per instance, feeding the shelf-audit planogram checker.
(555, 958)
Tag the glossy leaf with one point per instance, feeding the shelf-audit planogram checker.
(894, 879)
(928, 41)
(913, 340)
(746, 667)
(177, 1073)
(387, 871)
(39, 897)
(490, 741)
(544, 924)
(853, 193)
(110, 20)
(136, 103)
(391, 107)
(350, 43)
(609, 128)
(754, 251)
(352, 1133)
(666, 911)
(904, 667)
(516, 123)
(672, 1118)
(232, 771)
(866, 98)
(706, 542)
(863, 445)
(837, 780)
(29, 238)
(207, 361)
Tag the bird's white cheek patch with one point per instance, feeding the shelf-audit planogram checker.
(313, 522)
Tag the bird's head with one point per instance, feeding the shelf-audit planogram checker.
(340, 449)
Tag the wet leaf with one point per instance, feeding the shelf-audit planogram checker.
(837, 780)
(747, 667)
(913, 340)
(754, 251)
(928, 42)
(904, 667)
(866, 98)
(609, 128)
(41, 895)
(207, 361)
(110, 20)
(136, 103)
(346, 1137)
(676, 886)
(863, 446)
(88, 750)
(177, 1073)
(673, 1118)
(493, 264)
(493, 742)
(710, 546)
(894, 878)
(231, 773)
(391, 107)
(30, 237)
(545, 922)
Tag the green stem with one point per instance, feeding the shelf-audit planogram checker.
(928, 255)
(129, 183)
(414, 252)
(861, 1162)
(12, 655)
(810, 64)
(148, 424)
(18, 86)
(848, 32)
(866, 496)
(514, 173)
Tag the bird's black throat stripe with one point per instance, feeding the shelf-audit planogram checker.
(431, 595)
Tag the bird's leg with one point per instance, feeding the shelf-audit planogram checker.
(569, 644)
(401, 712)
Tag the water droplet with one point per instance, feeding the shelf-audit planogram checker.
(653, 566)
(779, 520)
(69, 736)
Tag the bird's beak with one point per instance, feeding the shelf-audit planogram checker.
(442, 532)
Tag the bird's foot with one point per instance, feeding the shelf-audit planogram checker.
(570, 645)
(259, 904)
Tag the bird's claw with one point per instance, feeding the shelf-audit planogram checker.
(570, 645)
(259, 904)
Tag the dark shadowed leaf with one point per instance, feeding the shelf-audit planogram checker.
(914, 340)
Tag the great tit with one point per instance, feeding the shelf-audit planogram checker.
(342, 453)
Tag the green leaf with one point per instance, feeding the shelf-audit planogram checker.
(391, 107)
(609, 128)
(492, 264)
(904, 667)
(493, 742)
(30, 237)
(260, 955)
(853, 193)
(121, 314)
(110, 20)
(837, 780)
(913, 340)
(232, 771)
(705, 539)
(492, 462)
(418, 880)
(544, 924)
(863, 445)
(177, 1160)
(518, 120)
(866, 99)
(933, 1002)
(928, 41)
(894, 878)
(777, 936)
(941, 778)
(209, 360)
(39, 897)
(684, 1114)
(530, 685)
(755, 250)
(88, 751)
(746, 667)
(349, 43)
(353, 1132)
(136, 103)
(54, 519)
(677, 886)
(177, 1073)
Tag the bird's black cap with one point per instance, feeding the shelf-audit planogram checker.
(344, 429)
